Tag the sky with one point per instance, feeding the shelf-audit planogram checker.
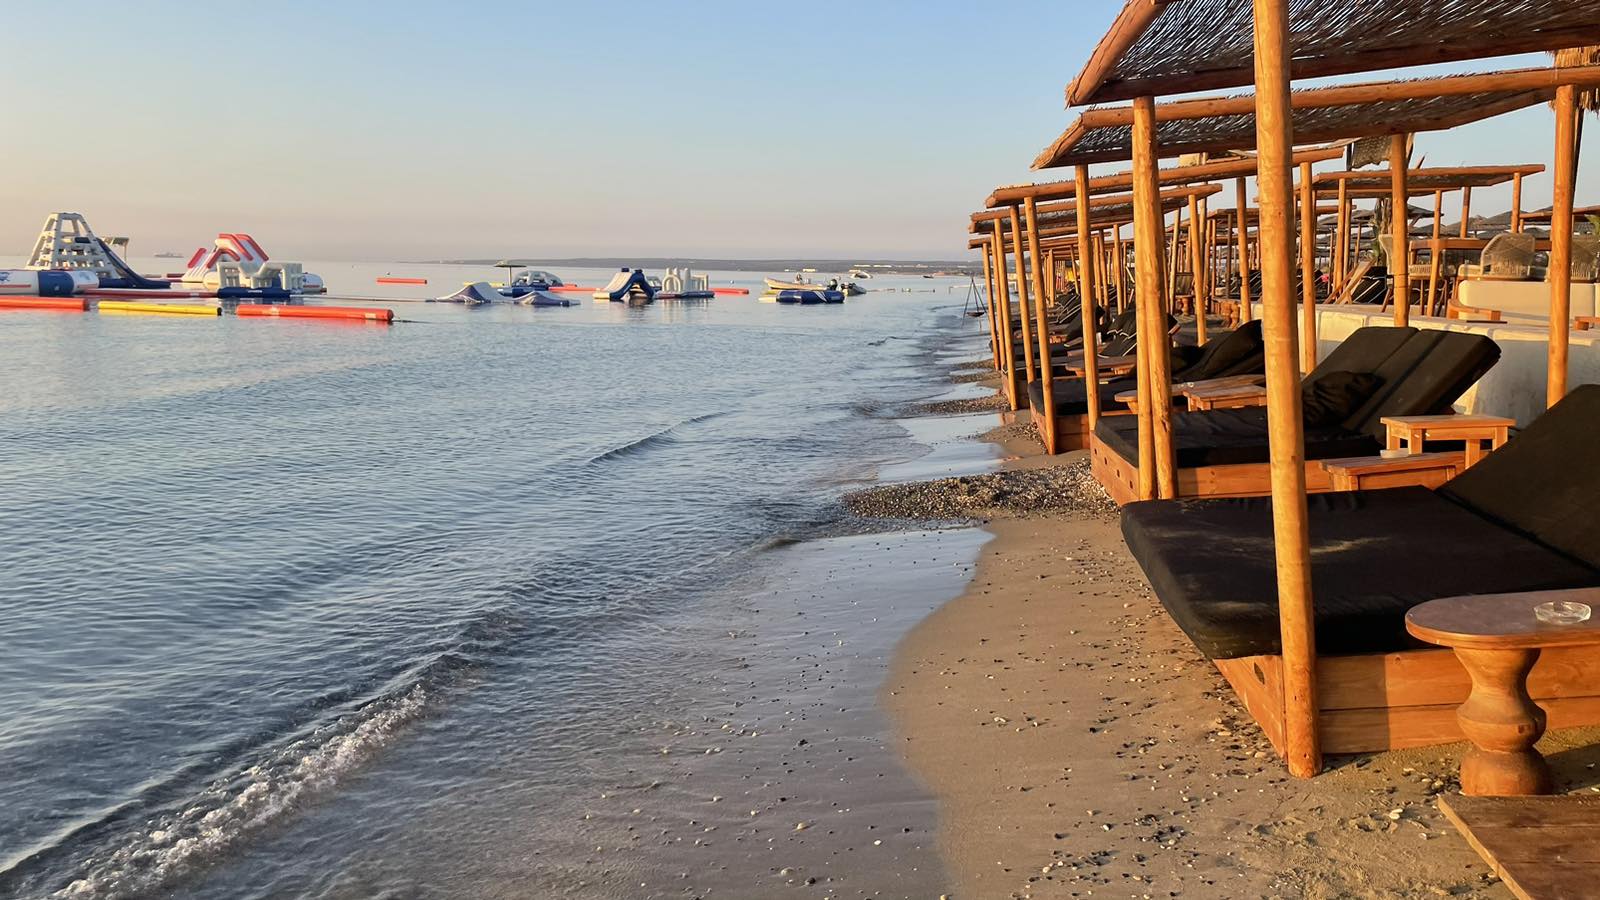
(383, 131)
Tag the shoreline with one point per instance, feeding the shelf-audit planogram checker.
(1079, 745)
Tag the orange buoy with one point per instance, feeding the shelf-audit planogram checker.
(391, 280)
(727, 291)
(369, 314)
(76, 304)
(573, 288)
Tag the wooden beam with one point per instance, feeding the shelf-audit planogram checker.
(1155, 358)
(1308, 271)
(1003, 299)
(1041, 311)
(1516, 204)
(1399, 231)
(1242, 205)
(1342, 240)
(1086, 295)
(1119, 260)
(1127, 28)
(1023, 295)
(1212, 171)
(988, 296)
(1466, 209)
(1285, 425)
(1197, 267)
(1567, 113)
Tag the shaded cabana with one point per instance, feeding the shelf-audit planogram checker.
(1317, 115)
(1186, 45)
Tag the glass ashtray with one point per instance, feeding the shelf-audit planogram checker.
(1562, 612)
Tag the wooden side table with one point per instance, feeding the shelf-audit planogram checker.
(1498, 639)
(1188, 388)
(1428, 470)
(1233, 397)
(1414, 431)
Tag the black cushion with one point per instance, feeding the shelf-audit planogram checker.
(1328, 399)
(1545, 483)
(1225, 437)
(1071, 395)
(1364, 350)
(1426, 376)
(1374, 555)
(1240, 352)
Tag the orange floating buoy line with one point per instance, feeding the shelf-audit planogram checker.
(573, 288)
(395, 280)
(73, 304)
(259, 310)
(726, 291)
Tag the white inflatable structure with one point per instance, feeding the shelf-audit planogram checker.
(682, 282)
(235, 260)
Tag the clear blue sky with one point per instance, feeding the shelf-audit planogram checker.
(383, 131)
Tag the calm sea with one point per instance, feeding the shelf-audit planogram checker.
(272, 593)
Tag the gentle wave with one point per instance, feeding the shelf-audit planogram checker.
(233, 808)
(655, 438)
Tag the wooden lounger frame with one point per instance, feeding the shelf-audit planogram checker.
(1120, 477)
(1390, 701)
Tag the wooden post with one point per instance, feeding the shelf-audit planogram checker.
(1055, 285)
(1435, 257)
(1023, 294)
(1155, 359)
(1561, 241)
(1003, 298)
(1197, 267)
(1119, 258)
(1308, 269)
(1086, 289)
(1046, 375)
(1466, 210)
(988, 295)
(1172, 261)
(1275, 146)
(1400, 231)
(1243, 201)
(1341, 268)
(1516, 203)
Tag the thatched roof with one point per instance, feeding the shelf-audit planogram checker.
(1544, 215)
(1086, 143)
(1104, 212)
(1215, 170)
(1161, 47)
(1421, 181)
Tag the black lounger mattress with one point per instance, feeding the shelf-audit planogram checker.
(1226, 437)
(1214, 570)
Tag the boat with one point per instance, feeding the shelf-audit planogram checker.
(810, 296)
(849, 288)
(861, 274)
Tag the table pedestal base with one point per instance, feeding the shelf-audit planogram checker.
(1503, 723)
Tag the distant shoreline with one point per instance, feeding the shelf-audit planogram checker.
(875, 267)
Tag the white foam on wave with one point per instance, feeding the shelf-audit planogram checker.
(232, 808)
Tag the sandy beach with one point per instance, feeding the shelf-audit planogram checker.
(1080, 746)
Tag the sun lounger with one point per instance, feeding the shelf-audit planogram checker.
(1521, 520)
(1224, 452)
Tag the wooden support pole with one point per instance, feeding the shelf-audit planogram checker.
(1003, 299)
(1023, 294)
(1399, 231)
(1155, 362)
(1197, 268)
(1561, 241)
(1087, 290)
(1172, 261)
(1242, 201)
(1055, 285)
(988, 295)
(1516, 203)
(1435, 256)
(1285, 426)
(1047, 380)
(1341, 240)
(1119, 259)
(1308, 270)
(1466, 211)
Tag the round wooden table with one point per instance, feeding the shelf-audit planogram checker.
(1498, 638)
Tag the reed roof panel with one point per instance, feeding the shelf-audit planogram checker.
(1161, 47)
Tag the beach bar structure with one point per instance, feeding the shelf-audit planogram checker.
(1307, 703)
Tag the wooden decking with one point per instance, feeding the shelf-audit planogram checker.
(1543, 848)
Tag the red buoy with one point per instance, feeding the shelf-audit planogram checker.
(393, 280)
(728, 291)
(369, 314)
(76, 304)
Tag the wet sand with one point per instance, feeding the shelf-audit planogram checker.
(1080, 746)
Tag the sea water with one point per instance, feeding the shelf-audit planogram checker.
(275, 594)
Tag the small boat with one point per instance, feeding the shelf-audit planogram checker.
(810, 297)
(799, 284)
(860, 273)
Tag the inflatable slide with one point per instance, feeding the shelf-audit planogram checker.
(625, 283)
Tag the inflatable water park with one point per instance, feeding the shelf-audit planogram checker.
(69, 259)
